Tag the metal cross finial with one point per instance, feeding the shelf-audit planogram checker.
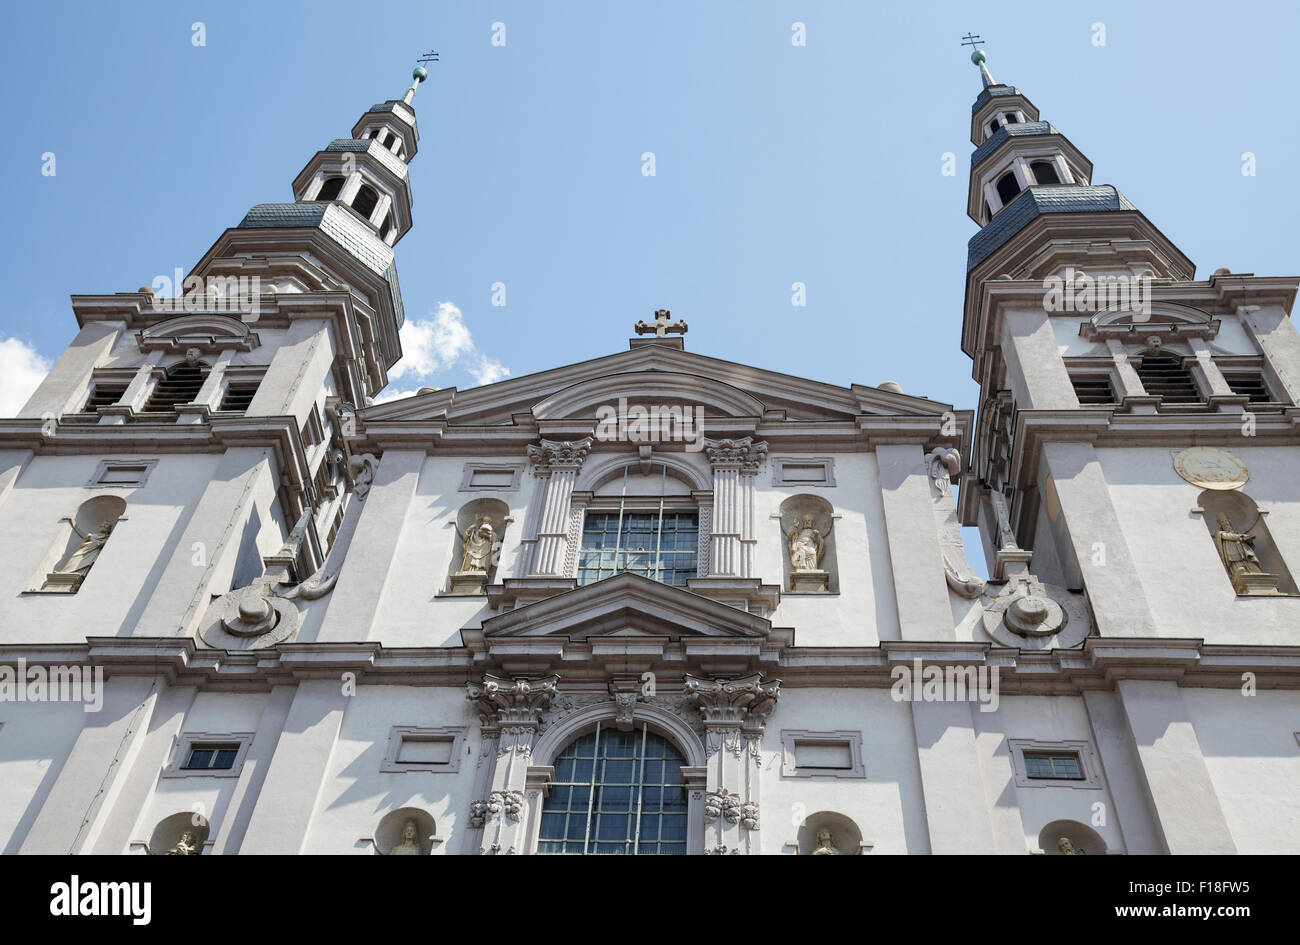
(428, 57)
(971, 39)
(660, 327)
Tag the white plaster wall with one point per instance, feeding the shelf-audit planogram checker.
(356, 794)
(1178, 566)
(1048, 719)
(128, 568)
(35, 740)
(864, 612)
(887, 806)
(412, 613)
(1253, 756)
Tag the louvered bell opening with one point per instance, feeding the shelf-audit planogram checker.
(180, 386)
(1167, 378)
(104, 395)
(238, 397)
(1252, 385)
(1093, 389)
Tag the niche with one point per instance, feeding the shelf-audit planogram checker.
(480, 526)
(1070, 838)
(828, 832)
(1243, 544)
(79, 544)
(808, 545)
(407, 831)
(179, 835)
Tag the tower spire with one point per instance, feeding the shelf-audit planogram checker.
(418, 75)
(977, 56)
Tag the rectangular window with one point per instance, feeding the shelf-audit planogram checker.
(1093, 389)
(238, 397)
(1166, 377)
(808, 754)
(104, 395)
(212, 757)
(425, 751)
(660, 547)
(1251, 384)
(803, 471)
(411, 748)
(1052, 766)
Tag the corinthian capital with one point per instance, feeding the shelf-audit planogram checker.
(513, 704)
(744, 453)
(554, 454)
(734, 702)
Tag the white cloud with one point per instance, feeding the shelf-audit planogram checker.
(439, 343)
(21, 370)
(392, 393)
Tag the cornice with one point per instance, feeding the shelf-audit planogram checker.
(1098, 665)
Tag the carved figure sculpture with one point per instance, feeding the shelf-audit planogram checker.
(409, 845)
(480, 544)
(824, 846)
(1066, 847)
(187, 845)
(86, 553)
(806, 544)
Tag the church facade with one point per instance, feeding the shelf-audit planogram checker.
(659, 602)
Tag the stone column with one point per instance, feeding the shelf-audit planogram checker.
(1130, 385)
(386, 488)
(1188, 816)
(137, 392)
(1214, 379)
(735, 464)
(735, 712)
(298, 371)
(915, 554)
(66, 385)
(557, 463)
(510, 712)
(956, 808)
(1272, 329)
(1118, 600)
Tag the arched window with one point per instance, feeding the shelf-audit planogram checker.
(994, 126)
(1044, 172)
(616, 792)
(1164, 376)
(181, 385)
(1008, 187)
(646, 524)
(366, 200)
(386, 139)
(330, 189)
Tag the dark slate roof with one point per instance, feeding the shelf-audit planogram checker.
(285, 214)
(349, 144)
(1008, 131)
(399, 310)
(992, 92)
(1033, 203)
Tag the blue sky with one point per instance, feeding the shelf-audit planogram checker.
(775, 163)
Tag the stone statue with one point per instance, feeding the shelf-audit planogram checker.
(187, 845)
(1067, 848)
(1237, 550)
(410, 842)
(824, 847)
(480, 544)
(806, 544)
(86, 553)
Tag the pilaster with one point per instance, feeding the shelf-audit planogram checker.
(735, 464)
(558, 463)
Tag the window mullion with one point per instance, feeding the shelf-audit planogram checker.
(591, 791)
(640, 790)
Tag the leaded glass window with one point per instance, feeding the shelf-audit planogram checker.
(658, 545)
(616, 792)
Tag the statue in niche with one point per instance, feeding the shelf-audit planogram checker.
(824, 845)
(187, 845)
(480, 544)
(806, 544)
(86, 553)
(1237, 551)
(1067, 848)
(409, 845)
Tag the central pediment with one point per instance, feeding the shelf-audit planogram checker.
(627, 605)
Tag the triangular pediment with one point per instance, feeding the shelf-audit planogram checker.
(661, 374)
(627, 605)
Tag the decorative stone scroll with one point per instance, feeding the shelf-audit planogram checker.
(511, 710)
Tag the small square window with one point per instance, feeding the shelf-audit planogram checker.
(1064, 764)
(205, 754)
(423, 749)
(216, 757)
(123, 472)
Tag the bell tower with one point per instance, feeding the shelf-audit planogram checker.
(1127, 408)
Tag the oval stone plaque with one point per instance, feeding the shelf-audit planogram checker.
(1211, 468)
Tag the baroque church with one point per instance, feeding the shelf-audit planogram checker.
(659, 602)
